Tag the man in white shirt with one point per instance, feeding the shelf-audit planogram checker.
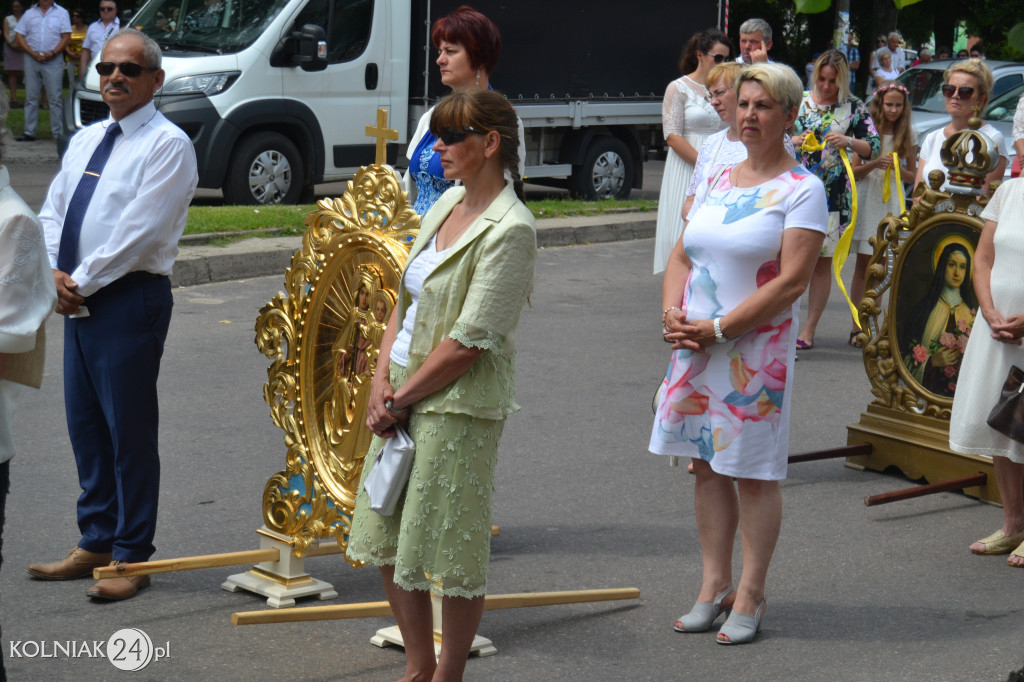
(99, 33)
(755, 41)
(899, 57)
(112, 219)
(43, 32)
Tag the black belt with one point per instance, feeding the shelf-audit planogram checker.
(137, 276)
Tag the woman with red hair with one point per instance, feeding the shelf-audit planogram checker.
(468, 45)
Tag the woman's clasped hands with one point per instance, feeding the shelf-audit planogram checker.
(378, 419)
(683, 334)
(1006, 330)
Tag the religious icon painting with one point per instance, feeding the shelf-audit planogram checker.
(935, 306)
(924, 265)
(323, 336)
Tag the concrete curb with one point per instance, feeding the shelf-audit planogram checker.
(205, 263)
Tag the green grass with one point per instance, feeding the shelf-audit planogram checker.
(559, 208)
(207, 219)
(16, 120)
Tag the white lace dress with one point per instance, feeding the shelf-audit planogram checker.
(987, 361)
(687, 112)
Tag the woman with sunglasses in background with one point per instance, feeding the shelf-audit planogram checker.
(451, 342)
(966, 87)
(468, 46)
(687, 119)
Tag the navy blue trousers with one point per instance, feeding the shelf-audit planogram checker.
(111, 365)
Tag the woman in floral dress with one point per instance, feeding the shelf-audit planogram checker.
(838, 121)
(730, 296)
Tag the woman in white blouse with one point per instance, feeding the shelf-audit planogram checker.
(687, 119)
(966, 89)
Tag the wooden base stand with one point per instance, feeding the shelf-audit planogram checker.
(393, 636)
(281, 581)
(919, 447)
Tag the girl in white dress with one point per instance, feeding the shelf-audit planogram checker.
(687, 118)
(890, 111)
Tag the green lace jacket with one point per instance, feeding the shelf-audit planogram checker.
(475, 296)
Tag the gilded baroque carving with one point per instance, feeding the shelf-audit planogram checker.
(322, 334)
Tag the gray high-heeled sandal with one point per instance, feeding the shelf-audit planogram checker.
(741, 628)
(703, 614)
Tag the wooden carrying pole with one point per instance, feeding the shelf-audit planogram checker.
(194, 563)
(381, 608)
(930, 489)
(835, 453)
(190, 563)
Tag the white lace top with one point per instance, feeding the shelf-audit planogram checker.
(416, 273)
(700, 118)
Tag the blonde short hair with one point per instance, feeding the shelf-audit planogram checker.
(837, 60)
(778, 80)
(977, 68)
(724, 73)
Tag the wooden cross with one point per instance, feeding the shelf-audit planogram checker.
(382, 133)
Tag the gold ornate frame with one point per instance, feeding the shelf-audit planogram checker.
(891, 382)
(320, 339)
(906, 424)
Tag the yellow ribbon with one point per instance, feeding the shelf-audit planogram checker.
(811, 143)
(886, 183)
(843, 247)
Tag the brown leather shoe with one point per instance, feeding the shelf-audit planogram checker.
(77, 564)
(116, 589)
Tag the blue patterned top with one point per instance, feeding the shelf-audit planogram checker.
(427, 174)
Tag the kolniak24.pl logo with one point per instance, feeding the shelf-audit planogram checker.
(127, 649)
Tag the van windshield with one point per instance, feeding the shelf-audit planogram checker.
(213, 26)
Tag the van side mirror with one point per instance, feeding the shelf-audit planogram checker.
(305, 48)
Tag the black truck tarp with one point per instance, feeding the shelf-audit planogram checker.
(562, 50)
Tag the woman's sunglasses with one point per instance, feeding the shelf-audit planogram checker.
(964, 92)
(452, 136)
(128, 69)
(719, 58)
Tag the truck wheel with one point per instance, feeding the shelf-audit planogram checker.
(266, 168)
(607, 170)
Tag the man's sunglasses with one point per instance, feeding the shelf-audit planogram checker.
(452, 136)
(963, 91)
(128, 69)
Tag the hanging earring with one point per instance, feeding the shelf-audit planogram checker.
(478, 78)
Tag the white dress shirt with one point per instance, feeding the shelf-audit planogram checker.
(140, 206)
(98, 35)
(43, 31)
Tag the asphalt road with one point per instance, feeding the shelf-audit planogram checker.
(854, 593)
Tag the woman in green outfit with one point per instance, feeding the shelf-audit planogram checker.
(451, 341)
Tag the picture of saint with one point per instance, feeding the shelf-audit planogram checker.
(354, 359)
(941, 321)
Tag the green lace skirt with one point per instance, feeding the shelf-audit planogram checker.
(439, 537)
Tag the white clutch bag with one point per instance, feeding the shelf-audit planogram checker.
(386, 481)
